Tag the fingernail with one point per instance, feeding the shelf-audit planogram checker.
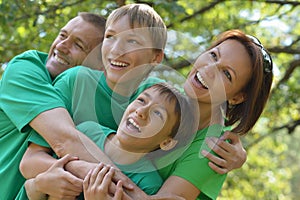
(204, 152)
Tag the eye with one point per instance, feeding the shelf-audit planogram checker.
(227, 74)
(108, 36)
(158, 113)
(79, 46)
(62, 35)
(141, 100)
(214, 56)
(132, 41)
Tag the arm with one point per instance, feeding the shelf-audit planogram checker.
(55, 182)
(36, 159)
(232, 154)
(178, 189)
(58, 129)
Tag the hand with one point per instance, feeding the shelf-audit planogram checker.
(58, 183)
(232, 154)
(96, 184)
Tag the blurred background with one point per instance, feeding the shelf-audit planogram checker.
(272, 170)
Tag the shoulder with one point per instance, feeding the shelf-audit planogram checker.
(31, 55)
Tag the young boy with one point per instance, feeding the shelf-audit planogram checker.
(150, 123)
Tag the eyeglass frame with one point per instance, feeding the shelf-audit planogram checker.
(268, 63)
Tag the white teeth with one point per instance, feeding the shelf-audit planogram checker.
(58, 59)
(119, 64)
(201, 80)
(131, 121)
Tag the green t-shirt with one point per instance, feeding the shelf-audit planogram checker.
(193, 167)
(88, 97)
(25, 91)
(142, 172)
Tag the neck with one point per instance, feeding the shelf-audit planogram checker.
(125, 88)
(118, 154)
(209, 115)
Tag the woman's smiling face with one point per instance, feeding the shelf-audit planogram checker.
(220, 73)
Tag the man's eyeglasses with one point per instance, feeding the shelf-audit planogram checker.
(268, 63)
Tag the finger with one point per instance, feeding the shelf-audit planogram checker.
(86, 180)
(75, 182)
(213, 158)
(231, 136)
(119, 191)
(100, 175)
(64, 160)
(95, 173)
(227, 147)
(217, 169)
(212, 144)
(126, 182)
(107, 179)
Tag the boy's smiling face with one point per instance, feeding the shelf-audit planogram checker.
(147, 122)
(124, 49)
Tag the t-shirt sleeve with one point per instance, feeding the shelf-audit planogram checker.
(64, 84)
(37, 139)
(193, 166)
(96, 132)
(196, 170)
(26, 89)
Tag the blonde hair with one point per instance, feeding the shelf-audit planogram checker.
(142, 15)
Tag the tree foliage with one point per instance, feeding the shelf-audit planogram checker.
(273, 159)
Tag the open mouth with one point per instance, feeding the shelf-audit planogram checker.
(131, 123)
(118, 64)
(200, 80)
(60, 59)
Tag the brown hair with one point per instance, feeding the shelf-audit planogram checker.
(186, 118)
(142, 15)
(245, 114)
(96, 20)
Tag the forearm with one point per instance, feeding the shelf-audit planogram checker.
(80, 168)
(35, 160)
(58, 129)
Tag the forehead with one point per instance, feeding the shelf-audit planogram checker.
(161, 99)
(122, 26)
(234, 54)
(82, 29)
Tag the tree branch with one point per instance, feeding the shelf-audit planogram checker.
(291, 126)
(201, 11)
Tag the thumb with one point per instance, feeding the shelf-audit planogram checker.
(64, 160)
(231, 136)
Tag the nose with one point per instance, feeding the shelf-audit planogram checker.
(211, 69)
(117, 48)
(64, 46)
(142, 112)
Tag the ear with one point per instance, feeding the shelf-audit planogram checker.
(237, 99)
(158, 56)
(168, 144)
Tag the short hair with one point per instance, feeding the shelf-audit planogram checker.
(187, 117)
(94, 19)
(140, 16)
(245, 115)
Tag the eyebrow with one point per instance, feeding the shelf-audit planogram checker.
(85, 46)
(159, 105)
(218, 49)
